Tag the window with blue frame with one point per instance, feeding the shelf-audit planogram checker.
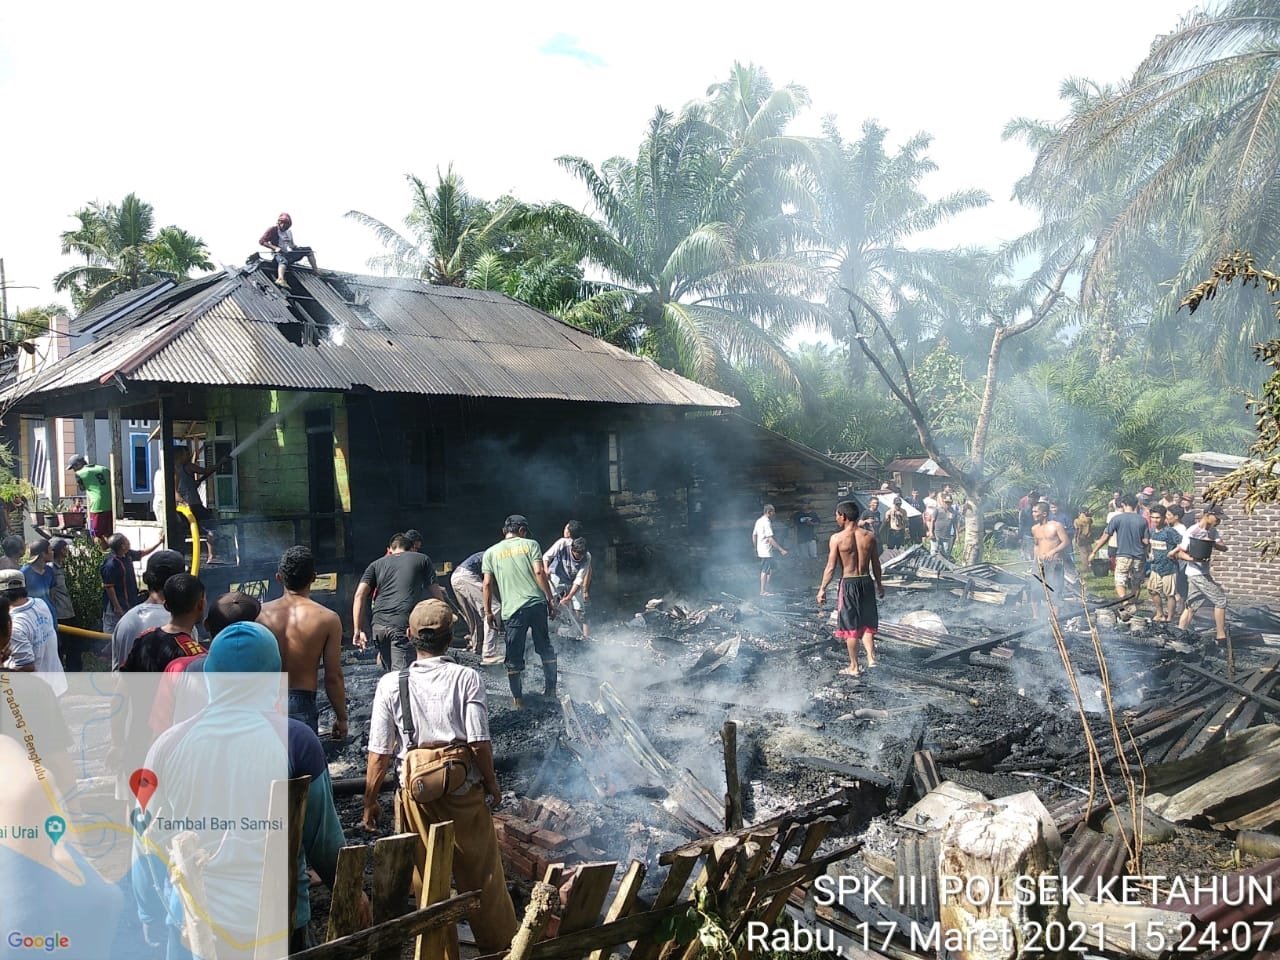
(140, 464)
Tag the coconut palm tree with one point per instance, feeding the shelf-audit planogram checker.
(869, 209)
(693, 247)
(122, 251)
(449, 229)
(1193, 136)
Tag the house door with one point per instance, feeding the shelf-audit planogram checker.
(322, 484)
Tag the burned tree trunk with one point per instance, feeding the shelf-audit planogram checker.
(986, 853)
(974, 480)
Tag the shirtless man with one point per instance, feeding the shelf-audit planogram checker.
(857, 616)
(308, 633)
(1051, 543)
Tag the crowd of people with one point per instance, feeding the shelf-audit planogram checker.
(429, 715)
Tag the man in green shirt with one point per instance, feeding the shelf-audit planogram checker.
(95, 480)
(515, 566)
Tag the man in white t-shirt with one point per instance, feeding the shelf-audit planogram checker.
(762, 539)
(33, 646)
(1201, 587)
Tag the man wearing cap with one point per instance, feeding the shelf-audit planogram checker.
(33, 641)
(1201, 587)
(446, 706)
(279, 240)
(514, 564)
(95, 480)
(151, 613)
(397, 582)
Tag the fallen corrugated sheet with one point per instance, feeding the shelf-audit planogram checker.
(1091, 857)
(342, 332)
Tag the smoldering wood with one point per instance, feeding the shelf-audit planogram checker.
(733, 786)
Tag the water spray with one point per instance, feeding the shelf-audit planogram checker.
(269, 424)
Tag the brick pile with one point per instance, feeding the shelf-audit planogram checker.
(535, 833)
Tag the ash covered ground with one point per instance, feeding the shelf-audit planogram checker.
(794, 711)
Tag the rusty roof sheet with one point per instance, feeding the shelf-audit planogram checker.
(385, 334)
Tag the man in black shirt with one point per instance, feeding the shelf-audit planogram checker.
(399, 582)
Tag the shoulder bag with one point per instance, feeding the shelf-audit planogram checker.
(430, 773)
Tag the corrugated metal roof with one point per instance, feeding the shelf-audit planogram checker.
(385, 334)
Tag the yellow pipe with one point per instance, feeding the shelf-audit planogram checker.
(80, 632)
(195, 538)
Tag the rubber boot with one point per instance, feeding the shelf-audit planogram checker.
(517, 689)
(549, 676)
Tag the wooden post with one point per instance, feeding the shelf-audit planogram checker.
(117, 463)
(732, 785)
(170, 522)
(393, 863)
(623, 902)
(436, 876)
(89, 419)
(54, 461)
(348, 888)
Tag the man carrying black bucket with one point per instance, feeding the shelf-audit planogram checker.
(1197, 548)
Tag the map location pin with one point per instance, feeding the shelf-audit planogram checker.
(143, 784)
(55, 827)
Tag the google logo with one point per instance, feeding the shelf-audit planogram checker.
(54, 941)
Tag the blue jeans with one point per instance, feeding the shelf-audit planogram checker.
(302, 706)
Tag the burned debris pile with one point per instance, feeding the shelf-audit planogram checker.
(967, 736)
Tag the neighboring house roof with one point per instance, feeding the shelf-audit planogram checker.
(925, 465)
(117, 304)
(388, 335)
(863, 460)
(1220, 461)
(747, 434)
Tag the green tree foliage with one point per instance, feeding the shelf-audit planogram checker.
(122, 251)
(831, 412)
(1078, 429)
(870, 209)
(1257, 481)
(84, 580)
(457, 239)
(1174, 169)
(696, 236)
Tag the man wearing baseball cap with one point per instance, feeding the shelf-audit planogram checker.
(279, 240)
(447, 709)
(514, 564)
(33, 641)
(95, 480)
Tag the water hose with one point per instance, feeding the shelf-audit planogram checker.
(185, 511)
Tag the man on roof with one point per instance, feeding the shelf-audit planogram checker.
(279, 240)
